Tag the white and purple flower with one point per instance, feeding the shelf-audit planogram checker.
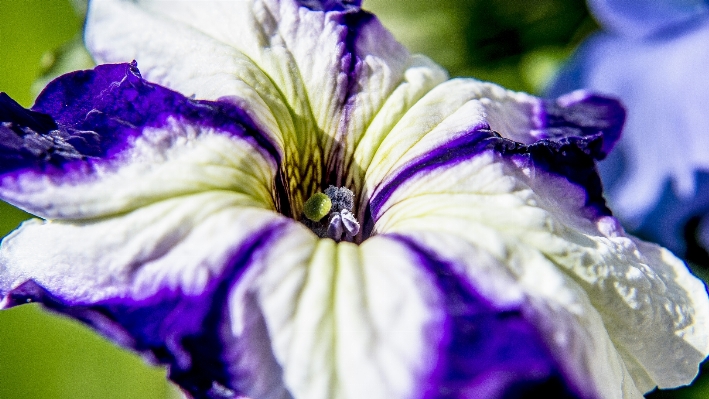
(475, 257)
(654, 56)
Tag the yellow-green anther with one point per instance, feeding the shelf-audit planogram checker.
(317, 207)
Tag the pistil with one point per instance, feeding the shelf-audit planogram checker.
(329, 214)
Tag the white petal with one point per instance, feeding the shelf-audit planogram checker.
(175, 160)
(180, 243)
(650, 304)
(573, 330)
(262, 53)
(347, 321)
(459, 107)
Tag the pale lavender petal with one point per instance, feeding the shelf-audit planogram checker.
(655, 180)
(642, 18)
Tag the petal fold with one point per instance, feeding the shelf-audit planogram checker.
(116, 143)
(158, 287)
(532, 207)
(566, 134)
(261, 53)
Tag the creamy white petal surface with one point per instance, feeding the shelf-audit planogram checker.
(637, 288)
(263, 54)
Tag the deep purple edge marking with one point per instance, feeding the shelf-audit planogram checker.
(582, 114)
(98, 112)
(10, 110)
(570, 157)
(449, 153)
(27, 136)
(354, 20)
(331, 5)
(481, 341)
(168, 327)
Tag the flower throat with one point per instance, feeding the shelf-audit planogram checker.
(329, 214)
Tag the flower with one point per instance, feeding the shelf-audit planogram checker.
(464, 249)
(653, 56)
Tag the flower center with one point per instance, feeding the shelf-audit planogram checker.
(329, 214)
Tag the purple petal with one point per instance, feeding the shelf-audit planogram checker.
(331, 5)
(654, 178)
(572, 158)
(638, 18)
(487, 352)
(188, 332)
(87, 126)
(116, 103)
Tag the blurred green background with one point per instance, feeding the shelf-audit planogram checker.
(44, 356)
(514, 43)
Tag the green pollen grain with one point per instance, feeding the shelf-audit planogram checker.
(317, 207)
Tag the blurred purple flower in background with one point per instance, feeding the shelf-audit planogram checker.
(654, 56)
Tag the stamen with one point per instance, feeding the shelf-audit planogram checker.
(335, 228)
(342, 223)
(337, 204)
(350, 223)
(341, 197)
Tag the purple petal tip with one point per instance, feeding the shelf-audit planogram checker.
(331, 5)
(583, 114)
